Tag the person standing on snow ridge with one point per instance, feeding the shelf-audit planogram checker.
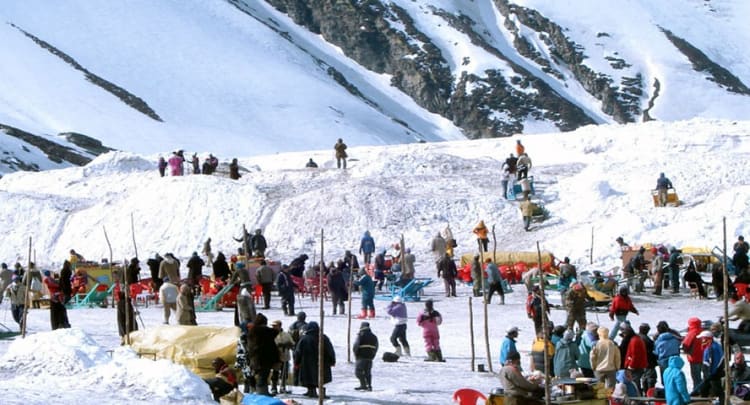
(662, 185)
(340, 148)
(367, 247)
(481, 231)
(234, 170)
(162, 165)
(397, 311)
(520, 149)
(429, 320)
(175, 164)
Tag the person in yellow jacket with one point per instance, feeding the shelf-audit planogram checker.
(481, 231)
(527, 210)
(605, 358)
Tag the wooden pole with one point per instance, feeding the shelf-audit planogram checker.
(321, 345)
(547, 397)
(132, 232)
(135, 247)
(725, 335)
(111, 265)
(471, 333)
(484, 306)
(349, 313)
(27, 283)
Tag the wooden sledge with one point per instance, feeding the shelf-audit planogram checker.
(672, 199)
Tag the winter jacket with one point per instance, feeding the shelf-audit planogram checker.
(621, 305)
(340, 149)
(366, 287)
(666, 346)
(284, 343)
(185, 306)
(605, 355)
(447, 268)
(284, 284)
(691, 345)
(367, 244)
(306, 357)
(624, 388)
(153, 266)
(168, 293)
(588, 340)
(195, 268)
(523, 162)
(246, 305)
(650, 355)
(713, 358)
(493, 273)
(438, 247)
(380, 265)
(515, 386)
(221, 267)
(537, 354)
(264, 275)
(397, 312)
(365, 345)
(16, 291)
(262, 350)
(675, 385)
(258, 242)
(336, 284)
(476, 271)
(407, 266)
(527, 208)
(429, 321)
(170, 267)
(566, 358)
(507, 348)
(663, 183)
(635, 355)
(175, 165)
(480, 230)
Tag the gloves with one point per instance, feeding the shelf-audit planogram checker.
(611, 317)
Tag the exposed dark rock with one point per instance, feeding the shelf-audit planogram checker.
(94, 146)
(54, 151)
(702, 63)
(125, 96)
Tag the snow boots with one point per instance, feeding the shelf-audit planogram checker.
(398, 351)
(371, 314)
(407, 351)
(435, 355)
(363, 314)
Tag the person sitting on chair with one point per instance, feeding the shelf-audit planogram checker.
(518, 390)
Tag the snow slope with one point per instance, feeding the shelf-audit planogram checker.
(597, 179)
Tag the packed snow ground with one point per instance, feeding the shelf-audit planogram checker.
(597, 179)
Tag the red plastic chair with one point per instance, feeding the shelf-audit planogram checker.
(650, 393)
(468, 396)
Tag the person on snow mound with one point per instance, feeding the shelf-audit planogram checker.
(367, 246)
(340, 148)
(662, 185)
(429, 320)
(365, 348)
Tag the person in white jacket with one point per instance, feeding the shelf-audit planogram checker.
(168, 295)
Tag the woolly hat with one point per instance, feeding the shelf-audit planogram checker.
(705, 334)
(397, 298)
(511, 329)
(364, 325)
(603, 333)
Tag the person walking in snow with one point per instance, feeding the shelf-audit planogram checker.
(337, 287)
(477, 277)
(481, 231)
(285, 286)
(16, 292)
(527, 211)
(58, 315)
(523, 165)
(195, 272)
(380, 269)
(397, 311)
(234, 170)
(186, 306)
(429, 320)
(438, 247)
(495, 283)
(365, 348)
(505, 177)
(340, 148)
(306, 360)
(447, 270)
(520, 149)
(619, 309)
(207, 252)
(367, 246)
(367, 292)
(663, 184)
(162, 165)
(168, 293)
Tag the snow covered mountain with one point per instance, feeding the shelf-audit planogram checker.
(252, 77)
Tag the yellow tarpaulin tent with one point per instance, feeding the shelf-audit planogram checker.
(192, 346)
(509, 257)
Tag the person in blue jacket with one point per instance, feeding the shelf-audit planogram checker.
(367, 246)
(367, 290)
(667, 344)
(509, 344)
(675, 384)
(713, 363)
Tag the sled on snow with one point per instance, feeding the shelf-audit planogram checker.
(519, 187)
(411, 292)
(672, 199)
(6, 332)
(214, 303)
(97, 296)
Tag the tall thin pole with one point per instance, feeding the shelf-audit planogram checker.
(111, 264)
(321, 374)
(484, 307)
(27, 283)
(591, 251)
(349, 313)
(471, 333)
(547, 397)
(132, 232)
(725, 343)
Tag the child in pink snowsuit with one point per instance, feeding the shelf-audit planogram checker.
(429, 321)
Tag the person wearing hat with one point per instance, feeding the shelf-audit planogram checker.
(588, 340)
(285, 285)
(170, 267)
(397, 311)
(648, 379)
(224, 381)
(195, 272)
(306, 360)
(365, 348)
(566, 355)
(16, 292)
(481, 231)
(508, 346)
(675, 385)
(517, 389)
(619, 309)
(429, 320)
(575, 304)
(284, 343)
(168, 293)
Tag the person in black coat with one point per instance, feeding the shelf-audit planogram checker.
(221, 268)
(337, 287)
(286, 287)
(365, 348)
(306, 359)
(66, 273)
(133, 271)
(195, 272)
(259, 244)
(153, 266)
(297, 266)
(262, 353)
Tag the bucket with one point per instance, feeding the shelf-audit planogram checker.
(480, 368)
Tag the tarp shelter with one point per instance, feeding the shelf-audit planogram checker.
(192, 346)
(510, 258)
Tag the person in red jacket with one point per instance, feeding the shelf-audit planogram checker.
(620, 307)
(693, 347)
(635, 356)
